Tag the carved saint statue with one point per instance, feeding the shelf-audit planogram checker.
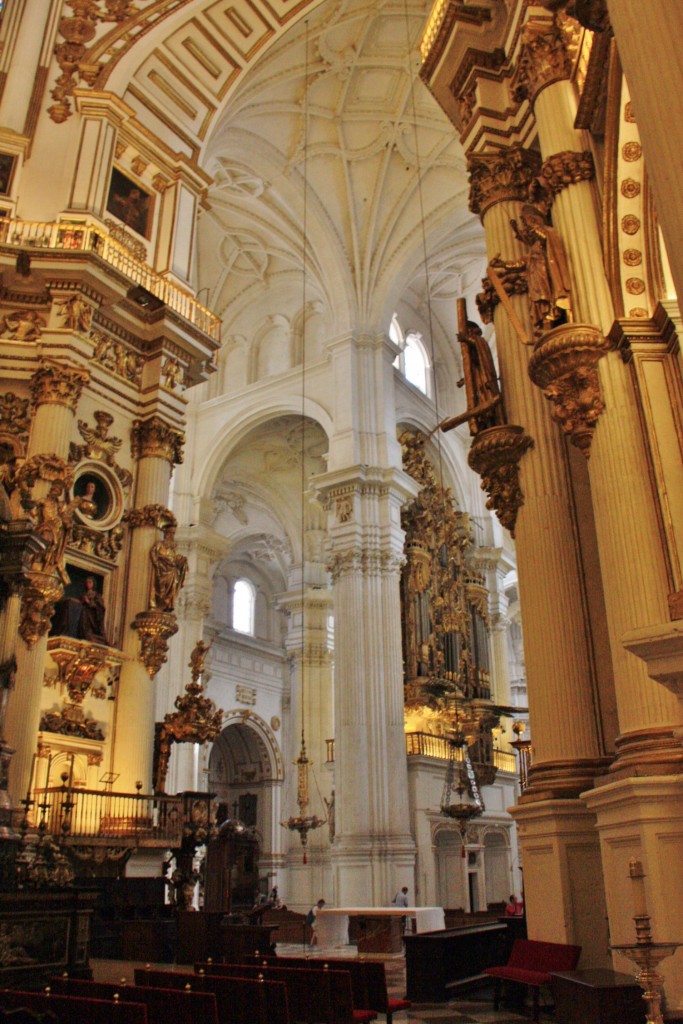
(169, 569)
(484, 399)
(547, 270)
(91, 621)
(54, 519)
(197, 659)
(77, 313)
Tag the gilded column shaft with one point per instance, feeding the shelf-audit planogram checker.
(559, 670)
(631, 556)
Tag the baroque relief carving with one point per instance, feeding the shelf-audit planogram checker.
(75, 312)
(154, 515)
(501, 176)
(565, 366)
(154, 439)
(117, 358)
(23, 325)
(495, 455)
(54, 383)
(566, 168)
(14, 414)
(100, 446)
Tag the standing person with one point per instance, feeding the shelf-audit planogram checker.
(514, 908)
(401, 900)
(311, 920)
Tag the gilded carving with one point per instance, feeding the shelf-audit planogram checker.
(565, 366)
(566, 168)
(104, 544)
(512, 274)
(154, 439)
(79, 29)
(75, 312)
(78, 662)
(154, 629)
(14, 414)
(629, 116)
(71, 721)
(630, 188)
(638, 312)
(630, 224)
(501, 176)
(120, 149)
(157, 516)
(54, 383)
(547, 270)
(100, 446)
(23, 325)
(172, 373)
(631, 151)
(495, 455)
(38, 600)
(117, 358)
(136, 248)
(160, 183)
(169, 569)
(139, 165)
(543, 60)
(484, 399)
(632, 257)
(635, 286)
(53, 519)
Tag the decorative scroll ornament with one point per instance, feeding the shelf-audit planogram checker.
(565, 366)
(195, 719)
(495, 455)
(501, 176)
(56, 384)
(543, 61)
(40, 594)
(566, 168)
(155, 629)
(154, 439)
(100, 446)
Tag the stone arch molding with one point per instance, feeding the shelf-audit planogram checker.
(271, 755)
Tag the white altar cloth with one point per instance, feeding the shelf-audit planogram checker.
(332, 925)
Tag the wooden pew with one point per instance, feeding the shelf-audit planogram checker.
(73, 1010)
(368, 981)
(238, 1000)
(315, 997)
(188, 1007)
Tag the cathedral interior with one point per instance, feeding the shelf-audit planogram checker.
(341, 446)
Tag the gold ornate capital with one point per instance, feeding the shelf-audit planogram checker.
(565, 366)
(543, 60)
(154, 439)
(501, 176)
(567, 168)
(38, 606)
(513, 276)
(154, 628)
(157, 516)
(56, 384)
(495, 455)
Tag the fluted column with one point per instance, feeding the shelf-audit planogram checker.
(55, 389)
(156, 447)
(631, 555)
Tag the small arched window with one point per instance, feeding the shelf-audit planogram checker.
(412, 361)
(243, 605)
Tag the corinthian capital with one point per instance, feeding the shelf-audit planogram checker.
(56, 384)
(154, 439)
(543, 60)
(501, 176)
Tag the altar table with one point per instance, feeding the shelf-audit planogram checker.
(381, 931)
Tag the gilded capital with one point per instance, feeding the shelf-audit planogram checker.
(154, 439)
(56, 384)
(503, 175)
(566, 168)
(157, 516)
(543, 60)
(565, 366)
(495, 455)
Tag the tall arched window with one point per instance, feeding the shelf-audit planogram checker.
(243, 604)
(412, 361)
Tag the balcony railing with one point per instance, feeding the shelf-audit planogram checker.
(115, 819)
(65, 237)
(438, 747)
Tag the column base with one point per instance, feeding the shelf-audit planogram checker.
(654, 751)
(563, 780)
(643, 818)
(563, 892)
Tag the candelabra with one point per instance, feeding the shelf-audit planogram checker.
(646, 954)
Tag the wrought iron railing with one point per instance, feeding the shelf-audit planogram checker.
(76, 237)
(91, 816)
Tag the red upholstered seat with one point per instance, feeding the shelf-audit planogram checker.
(531, 963)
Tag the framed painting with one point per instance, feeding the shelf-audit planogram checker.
(130, 203)
(7, 164)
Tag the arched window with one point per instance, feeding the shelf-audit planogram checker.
(412, 361)
(243, 604)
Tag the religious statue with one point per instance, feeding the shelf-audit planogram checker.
(169, 569)
(547, 270)
(23, 325)
(77, 313)
(197, 659)
(484, 399)
(172, 373)
(54, 519)
(91, 621)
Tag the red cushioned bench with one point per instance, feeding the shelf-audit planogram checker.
(531, 963)
(73, 1010)
(238, 1000)
(188, 1007)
